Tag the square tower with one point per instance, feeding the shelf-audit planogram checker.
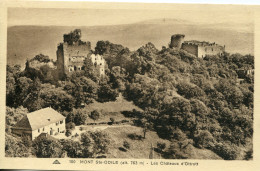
(72, 53)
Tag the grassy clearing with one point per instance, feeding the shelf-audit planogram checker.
(105, 117)
(205, 154)
(140, 149)
(116, 106)
(111, 110)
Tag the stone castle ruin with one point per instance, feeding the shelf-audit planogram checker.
(197, 48)
(72, 53)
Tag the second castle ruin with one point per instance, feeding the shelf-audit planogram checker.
(197, 48)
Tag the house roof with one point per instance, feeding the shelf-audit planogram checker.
(23, 124)
(39, 119)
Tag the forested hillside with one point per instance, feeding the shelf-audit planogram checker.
(184, 99)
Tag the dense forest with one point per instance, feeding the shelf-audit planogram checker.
(184, 99)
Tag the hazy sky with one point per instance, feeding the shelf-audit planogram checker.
(128, 14)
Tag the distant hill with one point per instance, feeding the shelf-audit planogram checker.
(27, 41)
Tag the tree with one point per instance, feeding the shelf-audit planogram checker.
(77, 117)
(68, 132)
(47, 95)
(13, 115)
(204, 139)
(57, 98)
(176, 114)
(41, 58)
(70, 117)
(101, 47)
(95, 143)
(179, 143)
(148, 51)
(70, 125)
(248, 98)
(85, 90)
(126, 144)
(27, 141)
(45, 147)
(69, 87)
(106, 93)
(117, 78)
(112, 120)
(249, 155)
(226, 151)
(190, 91)
(174, 152)
(80, 117)
(32, 101)
(95, 115)
(201, 112)
(90, 70)
(146, 125)
(231, 92)
(11, 76)
(22, 89)
(14, 147)
(73, 148)
(160, 146)
(47, 74)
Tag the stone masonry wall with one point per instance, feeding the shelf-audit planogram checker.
(210, 50)
(176, 41)
(74, 56)
(99, 63)
(193, 49)
(60, 61)
(202, 51)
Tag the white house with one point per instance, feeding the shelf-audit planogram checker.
(45, 120)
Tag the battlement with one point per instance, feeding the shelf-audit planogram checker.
(199, 43)
(178, 36)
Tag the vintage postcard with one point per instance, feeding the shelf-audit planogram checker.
(123, 86)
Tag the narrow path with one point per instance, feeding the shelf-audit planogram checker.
(102, 127)
(89, 128)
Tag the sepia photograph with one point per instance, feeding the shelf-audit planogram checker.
(160, 83)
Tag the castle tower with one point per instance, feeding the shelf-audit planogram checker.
(176, 41)
(72, 53)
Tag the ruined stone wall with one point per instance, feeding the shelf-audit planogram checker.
(203, 50)
(210, 50)
(60, 61)
(190, 48)
(74, 56)
(99, 63)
